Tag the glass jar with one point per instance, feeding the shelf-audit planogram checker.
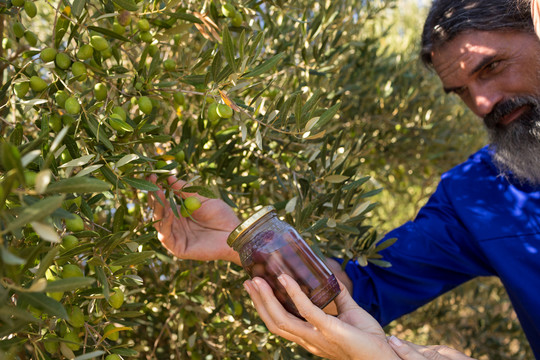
(269, 247)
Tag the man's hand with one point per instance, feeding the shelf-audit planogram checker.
(201, 237)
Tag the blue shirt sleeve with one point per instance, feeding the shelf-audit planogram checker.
(433, 254)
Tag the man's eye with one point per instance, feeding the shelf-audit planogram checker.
(493, 65)
(460, 91)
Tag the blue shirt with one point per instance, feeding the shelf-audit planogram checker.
(477, 223)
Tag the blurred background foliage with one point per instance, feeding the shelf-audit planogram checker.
(335, 123)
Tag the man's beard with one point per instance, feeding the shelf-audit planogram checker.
(516, 145)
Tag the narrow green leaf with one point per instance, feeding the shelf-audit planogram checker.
(385, 244)
(99, 133)
(141, 184)
(36, 212)
(133, 259)
(9, 258)
(102, 278)
(83, 184)
(326, 116)
(228, 48)
(5, 88)
(90, 355)
(69, 284)
(128, 5)
(46, 262)
(172, 204)
(336, 179)
(184, 16)
(12, 312)
(357, 183)
(242, 180)
(44, 303)
(371, 193)
(201, 190)
(381, 263)
(118, 220)
(78, 7)
(265, 66)
(109, 33)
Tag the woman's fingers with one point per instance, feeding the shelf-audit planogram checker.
(409, 351)
(344, 300)
(307, 309)
(281, 322)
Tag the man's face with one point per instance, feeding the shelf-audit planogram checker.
(497, 75)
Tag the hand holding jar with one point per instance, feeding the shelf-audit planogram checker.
(353, 334)
(269, 247)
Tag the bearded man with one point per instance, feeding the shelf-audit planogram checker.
(483, 219)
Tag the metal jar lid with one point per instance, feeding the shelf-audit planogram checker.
(250, 221)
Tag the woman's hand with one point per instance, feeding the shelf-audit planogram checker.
(354, 334)
(410, 351)
(201, 237)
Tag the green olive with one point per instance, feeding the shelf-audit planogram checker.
(76, 317)
(72, 105)
(60, 97)
(224, 111)
(100, 91)
(169, 65)
(37, 84)
(18, 29)
(85, 52)
(75, 224)
(79, 70)
(73, 341)
(48, 54)
(228, 10)
(117, 298)
(192, 203)
(31, 38)
(63, 61)
(143, 25)
(99, 43)
(21, 89)
(146, 36)
(112, 336)
(71, 271)
(30, 8)
(145, 105)
(69, 242)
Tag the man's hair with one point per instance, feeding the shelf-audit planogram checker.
(449, 18)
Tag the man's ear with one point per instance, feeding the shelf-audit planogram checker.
(535, 11)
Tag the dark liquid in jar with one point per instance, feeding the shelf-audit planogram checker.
(270, 254)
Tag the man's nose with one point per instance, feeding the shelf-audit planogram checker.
(484, 99)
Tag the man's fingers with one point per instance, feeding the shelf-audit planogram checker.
(178, 185)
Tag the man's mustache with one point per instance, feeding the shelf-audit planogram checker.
(506, 107)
